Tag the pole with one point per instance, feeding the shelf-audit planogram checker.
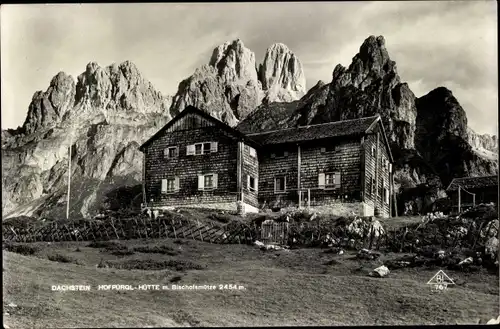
(69, 181)
(459, 199)
(298, 176)
(308, 198)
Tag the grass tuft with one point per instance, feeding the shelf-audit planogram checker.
(22, 249)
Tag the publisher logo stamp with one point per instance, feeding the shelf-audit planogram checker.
(440, 281)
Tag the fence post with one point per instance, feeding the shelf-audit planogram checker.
(173, 226)
(114, 229)
(199, 231)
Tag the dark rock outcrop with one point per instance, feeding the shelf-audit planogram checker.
(442, 137)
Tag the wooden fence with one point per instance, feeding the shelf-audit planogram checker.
(274, 233)
(135, 228)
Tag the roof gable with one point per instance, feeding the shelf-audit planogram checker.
(378, 122)
(199, 119)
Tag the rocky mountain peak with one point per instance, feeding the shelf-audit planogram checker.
(370, 64)
(282, 74)
(230, 87)
(445, 112)
(234, 61)
(47, 108)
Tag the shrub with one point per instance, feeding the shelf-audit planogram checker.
(22, 249)
(62, 258)
(108, 245)
(125, 252)
(162, 249)
(151, 264)
(222, 218)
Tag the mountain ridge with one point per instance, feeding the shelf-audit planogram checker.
(106, 112)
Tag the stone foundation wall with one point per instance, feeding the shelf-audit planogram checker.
(227, 206)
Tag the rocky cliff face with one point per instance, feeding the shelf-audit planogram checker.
(105, 115)
(442, 137)
(229, 87)
(482, 142)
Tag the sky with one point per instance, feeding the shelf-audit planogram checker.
(434, 43)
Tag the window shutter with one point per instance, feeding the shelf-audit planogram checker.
(176, 184)
(163, 186)
(215, 180)
(321, 180)
(338, 180)
(390, 167)
(165, 152)
(256, 184)
(213, 147)
(190, 150)
(248, 182)
(201, 182)
(252, 152)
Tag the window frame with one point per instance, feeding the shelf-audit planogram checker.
(168, 148)
(283, 154)
(331, 185)
(212, 186)
(203, 148)
(276, 178)
(175, 185)
(195, 148)
(249, 180)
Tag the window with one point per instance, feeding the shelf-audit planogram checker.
(207, 182)
(171, 152)
(170, 185)
(279, 184)
(252, 152)
(198, 149)
(201, 148)
(373, 150)
(328, 148)
(251, 183)
(329, 180)
(372, 187)
(279, 154)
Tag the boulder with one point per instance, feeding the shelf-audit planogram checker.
(380, 272)
(367, 254)
(258, 243)
(466, 261)
(491, 247)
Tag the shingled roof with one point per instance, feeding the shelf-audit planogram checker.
(473, 182)
(315, 132)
